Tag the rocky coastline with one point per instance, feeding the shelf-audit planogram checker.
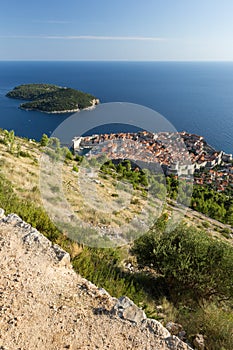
(94, 102)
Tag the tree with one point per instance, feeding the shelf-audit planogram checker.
(54, 142)
(127, 164)
(189, 260)
(44, 140)
(67, 153)
(9, 140)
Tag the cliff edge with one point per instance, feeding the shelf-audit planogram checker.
(44, 304)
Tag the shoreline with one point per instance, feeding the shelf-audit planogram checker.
(95, 103)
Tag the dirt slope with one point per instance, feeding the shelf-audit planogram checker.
(44, 304)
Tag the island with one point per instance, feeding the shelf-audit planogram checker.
(50, 98)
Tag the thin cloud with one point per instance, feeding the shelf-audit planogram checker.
(95, 37)
(83, 37)
(52, 21)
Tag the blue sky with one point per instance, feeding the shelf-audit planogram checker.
(116, 30)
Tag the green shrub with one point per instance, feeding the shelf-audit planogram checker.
(78, 158)
(75, 168)
(44, 140)
(28, 211)
(24, 154)
(67, 153)
(190, 261)
(205, 224)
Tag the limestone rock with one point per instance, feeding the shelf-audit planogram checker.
(36, 240)
(12, 218)
(62, 256)
(157, 328)
(126, 309)
(199, 342)
(174, 328)
(2, 213)
(174, 343)
(182, 335)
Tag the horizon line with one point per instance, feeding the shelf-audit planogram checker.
(113, 60)
(85, 37)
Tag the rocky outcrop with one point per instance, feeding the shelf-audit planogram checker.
(31, 237)
(127, 310)
(95, 101)
(44, 304)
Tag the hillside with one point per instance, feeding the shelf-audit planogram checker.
(45, 305)
(51, 98)
(115, 270)
(23, 165)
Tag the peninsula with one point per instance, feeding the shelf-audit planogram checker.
(50, 98)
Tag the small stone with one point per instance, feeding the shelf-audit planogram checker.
(159, 308)
(199, 342)
(174, 328)
(127, 310)
(182, 335)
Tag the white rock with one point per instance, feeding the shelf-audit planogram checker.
(2, 213)
(126, 309)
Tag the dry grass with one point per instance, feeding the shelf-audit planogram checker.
(101, 202)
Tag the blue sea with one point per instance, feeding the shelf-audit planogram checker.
(196, 97)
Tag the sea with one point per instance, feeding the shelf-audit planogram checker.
(193, 96)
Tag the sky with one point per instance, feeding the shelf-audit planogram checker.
(140, 30)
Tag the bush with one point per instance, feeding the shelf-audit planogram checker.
(67, 153)
(44, 140)
(78, 159)
(190, 261)
(75, 168)
(24, 154)
(205, 224)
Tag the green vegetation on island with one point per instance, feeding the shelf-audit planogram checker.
(51, 98)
